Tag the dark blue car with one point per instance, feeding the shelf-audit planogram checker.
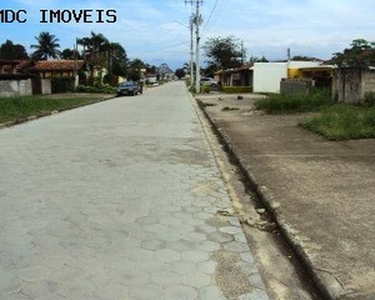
(129, 88)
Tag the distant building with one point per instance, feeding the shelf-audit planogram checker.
(265, 77)
(62, 68)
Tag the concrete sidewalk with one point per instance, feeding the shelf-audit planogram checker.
(320, 192)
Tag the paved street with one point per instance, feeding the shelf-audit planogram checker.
(118, 201)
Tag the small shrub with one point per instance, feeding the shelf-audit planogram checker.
(370, 99)
(208, 104)
(205, 89)
(192, 89)
(237, 89)
(227, 108)
(62, 85)
(102, 89)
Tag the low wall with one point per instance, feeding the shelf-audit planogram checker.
(296, 86)
(10, 88)
(350, 85)
(46, 86)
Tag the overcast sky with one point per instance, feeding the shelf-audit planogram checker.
(149, 29)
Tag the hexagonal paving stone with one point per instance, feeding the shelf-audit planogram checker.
(208, 246)
(192, 209)
(195, 256)
(247, 257)
(256, 281)
(203, 215)
(207, 267)
(171, 221)
(182, 245)
(164, 279)
(240, 238)
(153, 245)
(181, 267)
(231, 229)
(168, 255)
(147, 220)
(180, 292)
(237, 247)
(206, 229)
(196, 236)
(220, 237)
(211, 293)
(196, 279)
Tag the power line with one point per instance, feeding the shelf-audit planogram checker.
(212, 12)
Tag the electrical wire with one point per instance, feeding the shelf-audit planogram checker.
(209, 18)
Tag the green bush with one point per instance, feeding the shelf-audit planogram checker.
(370, 99)
(192, 89)
(237, 89)
(205, 89)
(111, 79)
(283, 103)
(102, 89)
(62, 85)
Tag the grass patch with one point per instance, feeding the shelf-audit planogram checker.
(287, 104)
(13, 108)
(227, 108)
(343, 122)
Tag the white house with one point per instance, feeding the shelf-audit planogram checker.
(267, 76)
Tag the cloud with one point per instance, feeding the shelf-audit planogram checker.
(147, 28)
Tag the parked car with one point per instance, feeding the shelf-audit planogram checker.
(129, 88)
(209, 81)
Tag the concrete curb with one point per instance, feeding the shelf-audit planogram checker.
(46, 114)
(327, 283)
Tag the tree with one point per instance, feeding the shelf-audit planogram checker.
(134, 69)
(304, 58)
(70, 54)
(254, 59)
(223, 52)
(10, 51)
(360, 55)
(117, 63)
(180, 73)
(47, 47)
(95, 51)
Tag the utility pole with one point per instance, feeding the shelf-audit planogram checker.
(198, 22)
(243, 53)
(75, 63)
(192, 50)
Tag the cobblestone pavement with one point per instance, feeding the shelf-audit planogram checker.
(119, 200)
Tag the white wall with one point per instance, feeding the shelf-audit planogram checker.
(10, 88)
(304, 64)
(267, 76)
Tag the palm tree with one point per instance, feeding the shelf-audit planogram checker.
(96, 49)
(47, 47)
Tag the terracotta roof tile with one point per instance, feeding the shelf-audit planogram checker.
(58, 65)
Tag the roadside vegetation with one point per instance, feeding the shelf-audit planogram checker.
(333, 121)
(296, 103)
(15, 108)
(343, 122)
